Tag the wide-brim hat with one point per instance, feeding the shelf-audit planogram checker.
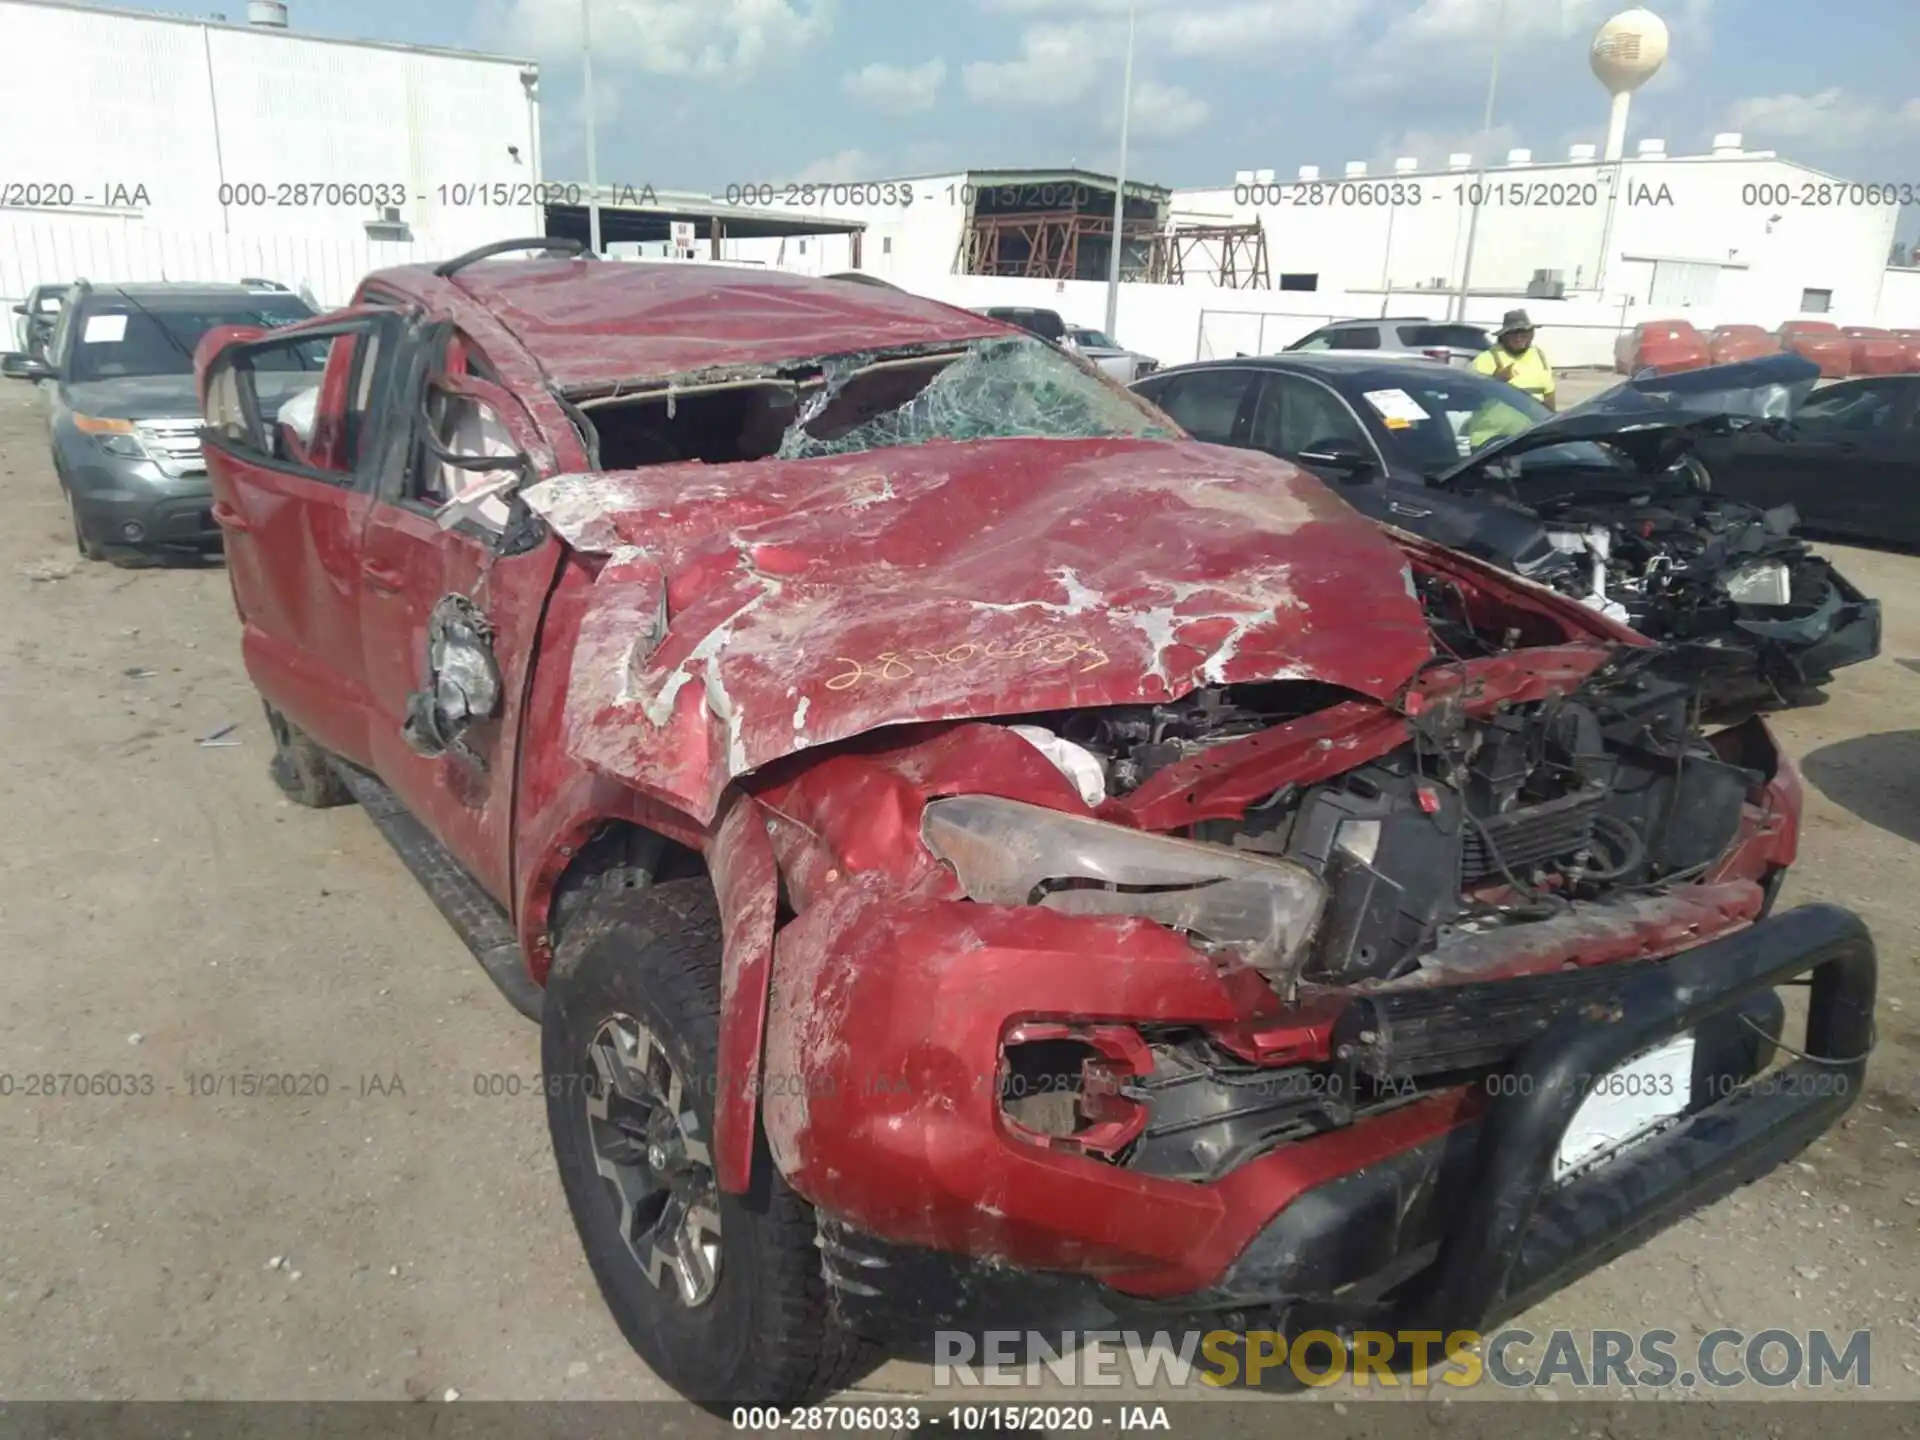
(1514, 320)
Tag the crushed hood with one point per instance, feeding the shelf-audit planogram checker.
(1642, 414)
(749, 611)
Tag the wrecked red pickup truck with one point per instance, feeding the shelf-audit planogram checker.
(975, 851)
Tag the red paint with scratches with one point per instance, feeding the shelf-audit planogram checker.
(595, 326)
(835, 633)
(947, 580)
(886, 1107)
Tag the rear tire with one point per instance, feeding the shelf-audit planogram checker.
(636, 981)
(301, 768)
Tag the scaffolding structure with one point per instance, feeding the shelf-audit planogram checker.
(1233, 257)
(1046, 245)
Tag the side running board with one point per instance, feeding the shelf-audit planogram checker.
(479, 922)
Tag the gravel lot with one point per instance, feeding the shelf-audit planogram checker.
(167, 917)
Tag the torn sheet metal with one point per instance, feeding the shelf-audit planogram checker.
(815, 600)
(462, 685)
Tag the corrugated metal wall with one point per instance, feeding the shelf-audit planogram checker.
(115, 105)
(33, 252)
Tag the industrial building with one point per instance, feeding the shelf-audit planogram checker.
(1591, 245)
(1737, 233)
(1592, 242)
(193, 148)
(645, 223)
(171, 123)
(1730, 230)
(1027, 223)
(199, 148)
(1740, 233)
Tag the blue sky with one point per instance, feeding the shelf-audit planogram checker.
(701, 94)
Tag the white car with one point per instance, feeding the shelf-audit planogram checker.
(1126, 366)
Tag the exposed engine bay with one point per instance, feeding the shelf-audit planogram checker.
(1481, 824)
(1697, 568)
(1623, 518)
(1476, 823)
(1674, 567)
(1672, 560)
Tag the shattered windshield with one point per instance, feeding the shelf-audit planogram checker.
(1017, 388)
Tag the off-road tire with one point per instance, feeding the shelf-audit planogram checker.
(301, 768)
(767, 1335)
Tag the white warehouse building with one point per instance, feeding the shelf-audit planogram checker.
(1592, 243)
(1735, 235)
(1589, 246)
(151, 146)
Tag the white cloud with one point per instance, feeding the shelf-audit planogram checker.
(606, 109)
(896, 89)
(1162, 112)
(845, 167)
(1215, 29)
(1832, 119)
(1056, 67)
(1450, 42)
(1250, 28)
(1072, 44)
(707, 40)
(1115, 8)
(1432, 147)
(1455, 38)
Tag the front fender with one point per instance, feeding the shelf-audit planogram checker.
(747, 882)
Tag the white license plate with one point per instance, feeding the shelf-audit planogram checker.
(1627, 1103)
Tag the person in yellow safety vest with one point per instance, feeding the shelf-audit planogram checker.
(1515, 359)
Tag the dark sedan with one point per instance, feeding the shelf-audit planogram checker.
(1849, 463)
(1606, 501)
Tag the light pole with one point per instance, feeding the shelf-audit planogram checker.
(1480, 173)
(1120, 185)
(593, 174)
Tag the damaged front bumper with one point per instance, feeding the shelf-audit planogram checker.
(883, 1107)
(1803, 645)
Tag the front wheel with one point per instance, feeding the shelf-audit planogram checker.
(89, 548)
(301, 768)
(1694, 471)
(722, 1295)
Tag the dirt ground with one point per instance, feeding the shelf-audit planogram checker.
(168, 919)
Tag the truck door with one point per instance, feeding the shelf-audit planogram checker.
(428, 589)
(292, 479)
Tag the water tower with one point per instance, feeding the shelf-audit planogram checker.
(1626, 52)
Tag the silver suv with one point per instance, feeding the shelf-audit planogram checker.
(1446, 341)
(122, 413)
